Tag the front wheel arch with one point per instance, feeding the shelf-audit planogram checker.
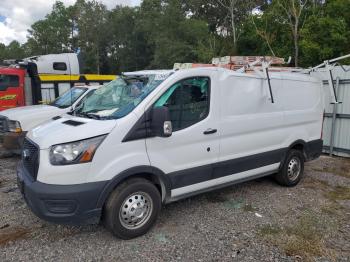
(155, 175)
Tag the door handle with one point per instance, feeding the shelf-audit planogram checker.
(210, 131)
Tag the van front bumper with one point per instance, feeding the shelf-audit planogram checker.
(62, 204)
(12, 142)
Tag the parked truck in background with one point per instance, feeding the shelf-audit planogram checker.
(41, 79)
(16, 122)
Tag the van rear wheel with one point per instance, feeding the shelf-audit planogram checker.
(132, 208)
(292, 170)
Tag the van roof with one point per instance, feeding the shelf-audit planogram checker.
(296, 76)
(150, 72)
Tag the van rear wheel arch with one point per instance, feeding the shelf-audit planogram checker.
(299, 145)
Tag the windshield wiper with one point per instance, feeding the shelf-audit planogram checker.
(93, 116)
(87, 115)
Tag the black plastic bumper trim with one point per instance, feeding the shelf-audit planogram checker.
(63, 204)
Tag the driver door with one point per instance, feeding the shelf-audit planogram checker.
(188, 154)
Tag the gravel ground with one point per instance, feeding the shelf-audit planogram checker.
(257, 220)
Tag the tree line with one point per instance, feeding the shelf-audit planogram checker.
(159, 33)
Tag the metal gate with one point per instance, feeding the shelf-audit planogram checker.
(336, 128)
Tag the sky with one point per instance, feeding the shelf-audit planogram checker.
(16, 16)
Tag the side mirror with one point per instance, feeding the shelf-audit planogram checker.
(161, 123)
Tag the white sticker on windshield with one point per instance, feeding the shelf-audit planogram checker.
(161, 77)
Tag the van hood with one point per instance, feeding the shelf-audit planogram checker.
(68, 129)
(31, 116)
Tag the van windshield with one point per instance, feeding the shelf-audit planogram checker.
(119, 97)
(68, 98)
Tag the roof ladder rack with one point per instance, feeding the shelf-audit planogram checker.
(329, 65)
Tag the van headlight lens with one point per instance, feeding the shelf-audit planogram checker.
(75, 152)
(14, 126)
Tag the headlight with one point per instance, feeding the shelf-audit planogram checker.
(75, 152)
(14, 126)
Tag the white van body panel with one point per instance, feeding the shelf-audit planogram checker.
(57, 131)
(247, 124)
(303, 106)
(61, 175)
(250, 123)
(130, 154)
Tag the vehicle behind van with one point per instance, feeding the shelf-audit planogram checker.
(152, 137)
(16, 122)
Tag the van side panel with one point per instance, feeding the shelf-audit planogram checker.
(250, 122)
(115, 156)
(303, 108)
(251, 141)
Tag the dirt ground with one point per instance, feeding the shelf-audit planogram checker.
(253, 221)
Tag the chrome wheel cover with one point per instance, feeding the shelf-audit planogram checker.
(136, 210)
(294, 168)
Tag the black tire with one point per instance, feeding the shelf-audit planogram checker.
(288, 176)
(129, 190)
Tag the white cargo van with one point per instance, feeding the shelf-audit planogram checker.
(148, 138)
(16, 122)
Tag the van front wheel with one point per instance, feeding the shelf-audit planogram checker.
(292, 170)
(132, 208)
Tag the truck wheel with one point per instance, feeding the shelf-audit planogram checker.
(132, 208)
(292, 170)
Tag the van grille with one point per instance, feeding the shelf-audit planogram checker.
(30, 157)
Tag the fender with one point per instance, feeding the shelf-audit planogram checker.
(311, 149)
(299, 142)
(133, 172)
(287, 149)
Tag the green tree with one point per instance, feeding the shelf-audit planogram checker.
(14, 50)
(52, 34)
(93, 34)
(172, 34)
(326, 35)
(127, 44)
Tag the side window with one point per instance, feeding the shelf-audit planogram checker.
(7, 81)
(188, 101)
(60, 66)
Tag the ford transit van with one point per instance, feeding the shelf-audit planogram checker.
(153, 137)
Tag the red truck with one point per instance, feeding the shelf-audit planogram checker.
(11, 87)
(41, 79)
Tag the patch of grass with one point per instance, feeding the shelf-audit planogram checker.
(267, 230)
(337, 166)
(332, 209)
(312, 183)
(248, 208)
(303, 247)
(12, 234)
(338, 170)
(161, 238)
(304, 238)
(339, 193)
(233, 204)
